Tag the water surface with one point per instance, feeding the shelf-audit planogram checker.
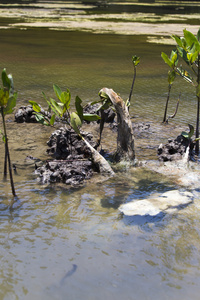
(59, 243)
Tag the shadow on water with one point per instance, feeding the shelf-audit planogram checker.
(143, 220)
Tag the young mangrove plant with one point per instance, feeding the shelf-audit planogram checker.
(188, 49)
(7, 103)
(135, 61)
(172, 61)
(60, 110)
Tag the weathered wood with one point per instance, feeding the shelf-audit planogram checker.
(100, 162)
(125, 138)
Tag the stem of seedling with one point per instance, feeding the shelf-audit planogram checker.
(198, 106)
(7, 156)
(131, 91)
(166, 106)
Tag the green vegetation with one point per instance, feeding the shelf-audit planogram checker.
(135, 61)
(61, 110)
(7, 104)
(188, 49)
(172, 61)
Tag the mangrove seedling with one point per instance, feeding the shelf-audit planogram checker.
(135, 61)
(172, 61)
(60, 109)
(188, 135)
(7, 103)
(188, 49)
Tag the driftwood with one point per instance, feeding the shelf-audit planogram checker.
(125, 138)
(100, 162)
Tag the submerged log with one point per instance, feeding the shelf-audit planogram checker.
(125, 138)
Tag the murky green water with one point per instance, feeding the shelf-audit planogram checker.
(58, 243)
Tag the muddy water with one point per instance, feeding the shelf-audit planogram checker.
(59, 243)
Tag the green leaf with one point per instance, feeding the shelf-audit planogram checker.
(41, 119)
(166, 59)
(57, 91)
(65, 98)
(191, 130)
(198, 35)
(79, 107)
(10, 105)
(4, 96)
(5, 80)
(182, 52)
(135, 60)
(35, 106)
(191, 40)
(198, 90)
(75, 122)
(52, 120)
(173, 57)
(185, 134)
(91, 117)
(188, 135)
(171, 76)
(103, 95)
(105, 105)
(192, 57)
(178, 40)
(56, 106)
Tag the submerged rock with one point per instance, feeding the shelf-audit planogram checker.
(170, 201)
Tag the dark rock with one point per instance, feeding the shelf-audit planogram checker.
(26, 114)
(64, 143)
(71, 165)
(71, 172)
(174, 149)
(109, 114)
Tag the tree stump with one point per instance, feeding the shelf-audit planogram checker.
(125, 138)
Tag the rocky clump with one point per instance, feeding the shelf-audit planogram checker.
(71, 172)
(26, 114)
(139, 129)
(174, 149)
(109, 114)
(64, 143)
(71, 164)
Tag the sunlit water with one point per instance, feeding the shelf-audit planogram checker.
(60, 243)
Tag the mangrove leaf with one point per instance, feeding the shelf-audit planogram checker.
(35, 106)
(75, 122)
(79, 107)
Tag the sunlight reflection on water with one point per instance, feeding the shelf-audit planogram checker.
(51, 229)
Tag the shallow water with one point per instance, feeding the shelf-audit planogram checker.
(59, 243)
